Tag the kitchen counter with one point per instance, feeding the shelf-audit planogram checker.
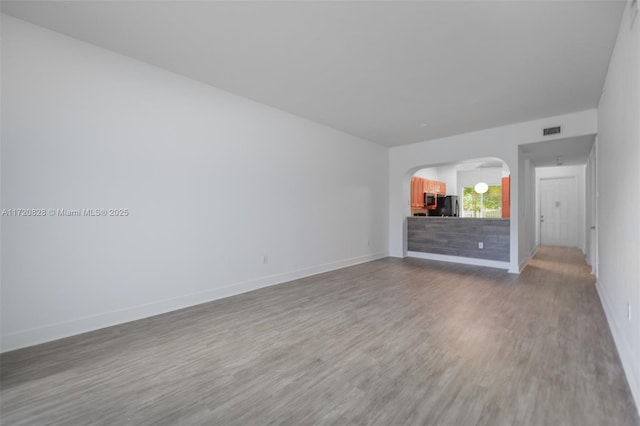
(457, 218)
(460, 236)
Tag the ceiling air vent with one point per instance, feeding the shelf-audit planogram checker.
(551, 131)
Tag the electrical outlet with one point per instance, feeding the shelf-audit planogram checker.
(265, 259)
(629, 311)
(369, 243)
(480, 245)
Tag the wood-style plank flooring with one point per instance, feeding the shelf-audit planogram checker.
(390, 342)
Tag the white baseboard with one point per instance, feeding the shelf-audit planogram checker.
(459, 259)
(60, 330)
(629, 363)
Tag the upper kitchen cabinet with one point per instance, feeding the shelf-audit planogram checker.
(417, 193)
(420, 186)
(435, 187)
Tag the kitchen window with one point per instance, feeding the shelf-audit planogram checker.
(487, 205)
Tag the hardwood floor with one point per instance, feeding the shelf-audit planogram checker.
(390, 342)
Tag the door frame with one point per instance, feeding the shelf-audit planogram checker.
(591, 222)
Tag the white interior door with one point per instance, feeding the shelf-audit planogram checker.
(559, 212)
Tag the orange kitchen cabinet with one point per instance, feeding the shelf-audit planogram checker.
(420, 185)
(506, 196)
(417, 192)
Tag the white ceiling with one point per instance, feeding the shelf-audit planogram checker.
(559, 152)
(377, 70)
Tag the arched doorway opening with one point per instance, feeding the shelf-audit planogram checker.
(471, 200)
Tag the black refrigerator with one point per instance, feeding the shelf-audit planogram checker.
(447, 205)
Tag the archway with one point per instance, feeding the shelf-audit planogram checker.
(450, 191)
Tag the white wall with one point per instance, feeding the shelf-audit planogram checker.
(213, 182)
(618, 184)
(520, 187)
(577, 172)
(530, 211)
(449, 175)
(499, 142)
(428, 173)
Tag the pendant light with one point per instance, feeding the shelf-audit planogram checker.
(481, 187)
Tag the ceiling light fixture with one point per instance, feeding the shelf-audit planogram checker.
(481, 187)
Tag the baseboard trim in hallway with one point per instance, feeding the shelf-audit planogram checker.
(629, 362)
